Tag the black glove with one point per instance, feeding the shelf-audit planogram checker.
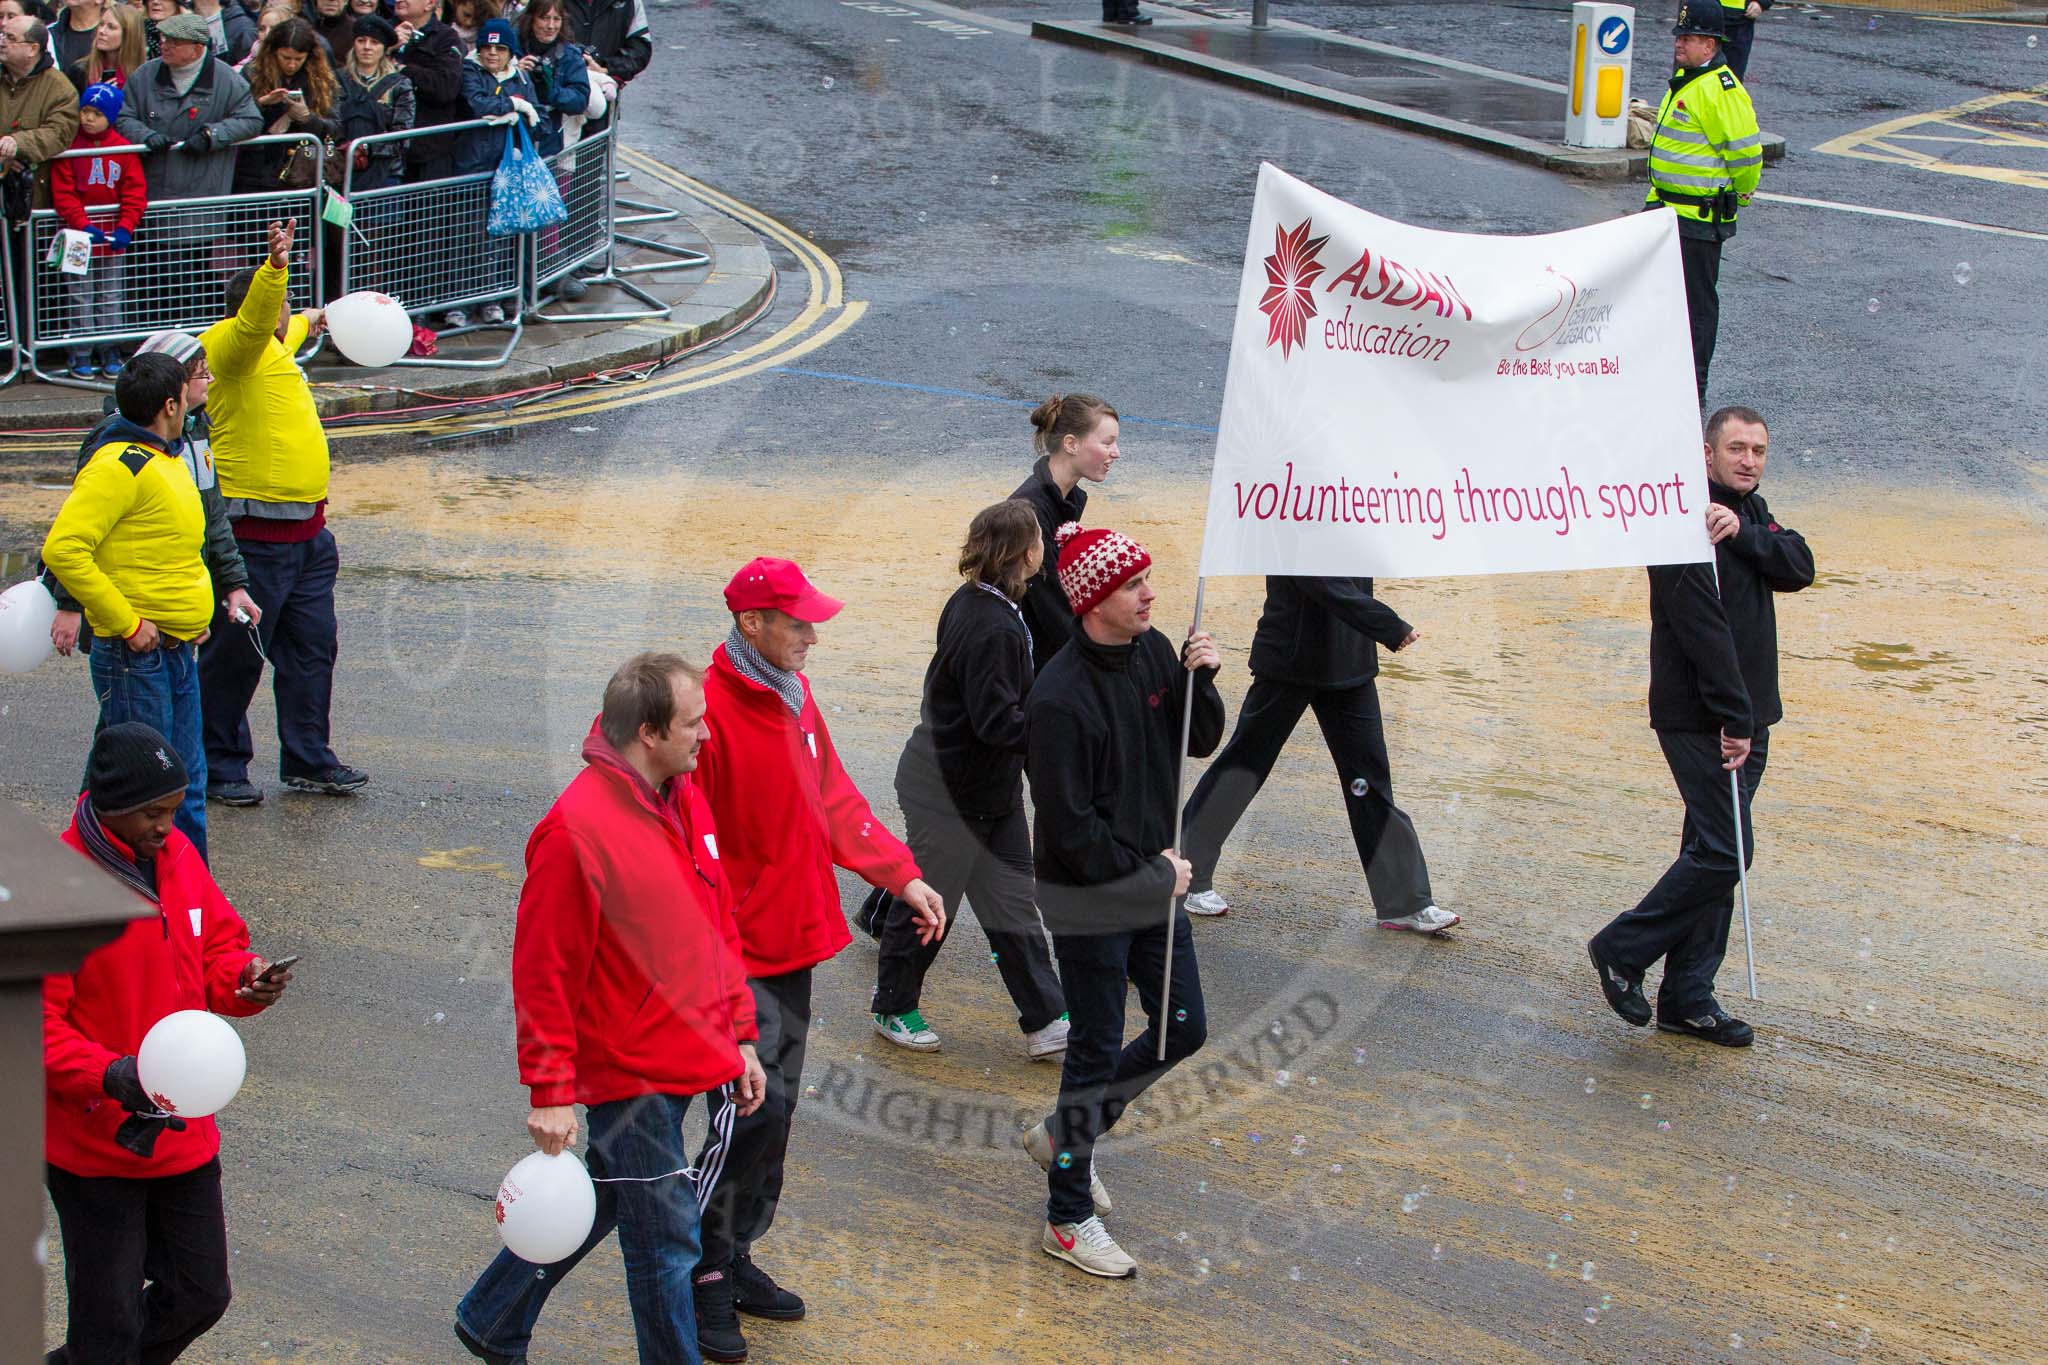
(146, 1123)
(198, 140)
(122, 1082)
(158, 142)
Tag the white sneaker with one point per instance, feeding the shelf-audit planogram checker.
(907, 1030)
(1427, 920)
(1207, 903)
(1088, 1245)
(1047, 1044)
(453, 319)
(1038, 1142)
(494, 313)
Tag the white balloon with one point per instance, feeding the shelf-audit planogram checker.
(191, 1063)
(370, 329)
(26, 611)
(546, 1205)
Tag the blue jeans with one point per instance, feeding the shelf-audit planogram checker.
(159, 689)
(636, 1150)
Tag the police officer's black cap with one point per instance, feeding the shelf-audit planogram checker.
(1703, 17)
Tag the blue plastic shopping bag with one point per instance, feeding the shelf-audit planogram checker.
(524, 196)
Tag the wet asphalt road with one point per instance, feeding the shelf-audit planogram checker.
(1405, 1150)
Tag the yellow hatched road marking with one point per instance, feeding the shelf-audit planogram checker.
(1888, 142)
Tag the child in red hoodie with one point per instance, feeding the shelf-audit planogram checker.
(85, 182)
(137, 1190)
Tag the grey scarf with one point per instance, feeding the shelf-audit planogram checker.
(754, 668)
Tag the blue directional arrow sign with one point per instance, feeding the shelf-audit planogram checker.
(1613, 35)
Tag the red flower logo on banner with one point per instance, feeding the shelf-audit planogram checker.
(1290, 270)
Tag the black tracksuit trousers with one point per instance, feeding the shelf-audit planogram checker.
(989, 862)
(743, 1202)
(1684, 919)
(1388, 847)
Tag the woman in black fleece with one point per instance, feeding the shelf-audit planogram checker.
(1077, 443)
(961, 786)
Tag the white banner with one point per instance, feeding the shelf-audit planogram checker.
(1408, 403)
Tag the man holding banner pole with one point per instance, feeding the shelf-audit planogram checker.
(1317, 647)
(1105, 735)
(1713, 699)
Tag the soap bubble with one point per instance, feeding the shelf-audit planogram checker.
(1283, 1078)
(1585, 1270)
(1359, 786)
(2033, 40)
(1410, 1202)
(1592, 1316)
(1964, 274)
(438, 1017)
(1570, 1194)
(1550, 1261)
(1436, 1253)
(1180, 1016)
(1663, 1125)
(1872, 306)
(1590, 1083)
(1202, 1265)
(1729, 1184)
(1294, 1272)
(1358, 1056)
(1735, 1341)
(1643, 1103)
(825, 82)
(1066, 1160)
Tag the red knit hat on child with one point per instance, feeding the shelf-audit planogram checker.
(1095, 563)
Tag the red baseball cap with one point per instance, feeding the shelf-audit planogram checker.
(779, 585)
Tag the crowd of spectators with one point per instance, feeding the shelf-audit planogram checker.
(192, 81)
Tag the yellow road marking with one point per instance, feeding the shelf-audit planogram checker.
(1887, 142)
(801, 335)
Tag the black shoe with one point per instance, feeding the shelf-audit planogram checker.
(481, 1351)
(755, 1293)
(718, 1326)
(1712, 1023)
(1624, 997)
(235, 793)
(339, 780)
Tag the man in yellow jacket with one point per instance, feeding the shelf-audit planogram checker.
(129, 544)
(1706, 159)
(270, 452)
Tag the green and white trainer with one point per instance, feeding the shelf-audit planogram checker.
(907, 1030)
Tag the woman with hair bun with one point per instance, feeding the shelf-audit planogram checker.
(961, 785)
(1076, 441)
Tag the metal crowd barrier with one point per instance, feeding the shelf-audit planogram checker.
(13, 353)
(173, 275)
(424, 244)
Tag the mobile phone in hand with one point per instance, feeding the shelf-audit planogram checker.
(277, 968)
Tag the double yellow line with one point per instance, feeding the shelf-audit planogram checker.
(825, 315)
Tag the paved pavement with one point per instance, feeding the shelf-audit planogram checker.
(1518, 117)
(964, 219)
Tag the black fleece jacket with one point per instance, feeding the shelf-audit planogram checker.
(1320, 632)
(967, 752)
(1046, 608)
(1714, 653)
(1103, 753)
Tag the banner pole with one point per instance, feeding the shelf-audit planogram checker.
(1180, 767)
(1742, 867)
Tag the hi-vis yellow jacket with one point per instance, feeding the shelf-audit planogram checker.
(130, 542)
(1707, 156)
(268, 444)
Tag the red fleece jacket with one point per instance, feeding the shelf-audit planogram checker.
(626, 976)
(187, 956)
(789, 812)
(79, 183)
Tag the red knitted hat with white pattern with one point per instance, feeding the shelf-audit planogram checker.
(1094, 564)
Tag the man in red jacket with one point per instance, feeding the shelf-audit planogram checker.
(629, 996)
(789, 813)
(136, 1189)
